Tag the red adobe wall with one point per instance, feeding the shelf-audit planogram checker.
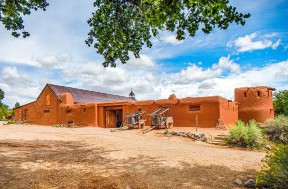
(80, 114)
(47, 113)
(19, 113)
(255, 103)
(228, 111)
(183, 117)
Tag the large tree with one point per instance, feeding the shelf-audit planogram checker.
(280, 102)
(122, 26)
(2, 95)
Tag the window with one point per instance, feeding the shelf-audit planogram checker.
(245, 95)
(84, 110)
(68, 111)
(258, 93)
(194, 108)
(47, 111)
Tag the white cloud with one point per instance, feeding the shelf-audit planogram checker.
(171, 39)
(194, 73)
(247, 43)
(18, 87)
(276, 44)
(143, 62)
(50, 61)
(10, 73)
(274, 34)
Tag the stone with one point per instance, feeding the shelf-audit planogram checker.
(268, 147)
(250, 183)
(204, 138)
(238, 181)
(168, 135)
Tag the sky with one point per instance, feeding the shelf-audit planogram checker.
(206, 65)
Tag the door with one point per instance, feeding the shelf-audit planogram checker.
(25, 114)
(110, 118)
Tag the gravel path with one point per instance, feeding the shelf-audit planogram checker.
(95, 157)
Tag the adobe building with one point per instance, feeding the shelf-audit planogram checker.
(65, 105)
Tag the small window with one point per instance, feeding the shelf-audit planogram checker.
(68, 111)
(84, 110)
(245, 95)
(233, 109)
(258, 93)
(47, 111)
(194, 108)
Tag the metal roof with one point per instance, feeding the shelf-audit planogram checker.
(84, 96)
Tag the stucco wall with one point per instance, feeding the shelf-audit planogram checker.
(228, 111)
(254, 103)
(47, 113)
(182, 115)
(19, 113)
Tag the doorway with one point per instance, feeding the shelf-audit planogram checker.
(25, 114)
(114, 117)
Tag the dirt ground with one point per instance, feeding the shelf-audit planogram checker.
(48, 157)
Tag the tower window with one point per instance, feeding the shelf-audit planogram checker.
(245, 95)
(258, 93)
(68, 111)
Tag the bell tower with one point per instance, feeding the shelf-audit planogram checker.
(132, 94)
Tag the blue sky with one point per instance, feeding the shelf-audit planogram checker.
(214, 64)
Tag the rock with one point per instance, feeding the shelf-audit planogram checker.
(168, 135)
(238, 181)
(204, 138)
(198, 134)
(268, 147)
(250, 183)
(179, 133)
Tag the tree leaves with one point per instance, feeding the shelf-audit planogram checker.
(11, 12)
(122, 26)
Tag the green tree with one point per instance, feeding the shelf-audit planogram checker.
(17, 104)
(280, 102)
(122, 26)
(2, 94)
(11, 12)
(3, 111)
(274, 173)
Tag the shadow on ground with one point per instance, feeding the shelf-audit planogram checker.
(58, 164)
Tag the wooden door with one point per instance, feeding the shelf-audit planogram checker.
(110, 118)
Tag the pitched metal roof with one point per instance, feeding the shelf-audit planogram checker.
(84, 96)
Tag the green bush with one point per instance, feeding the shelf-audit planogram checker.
(274, 173)
(277, 129)
(245, 135)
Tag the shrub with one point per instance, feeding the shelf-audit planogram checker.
(274, 173)
(277, 129)
(245, 135)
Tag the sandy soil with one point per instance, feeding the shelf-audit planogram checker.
(48, 157)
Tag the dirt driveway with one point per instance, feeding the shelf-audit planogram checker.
(49, 157)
